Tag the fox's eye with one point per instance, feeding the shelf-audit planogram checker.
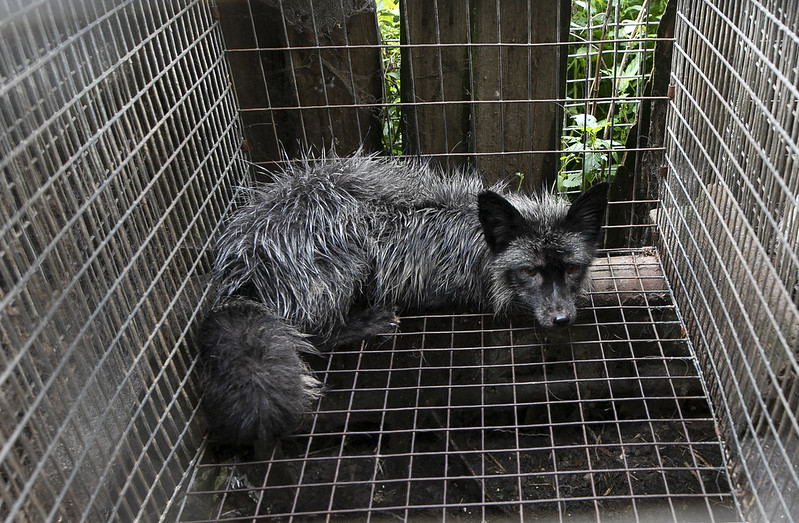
(530, 271)
(570, 269)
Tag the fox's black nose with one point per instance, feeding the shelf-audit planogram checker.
(561, 319)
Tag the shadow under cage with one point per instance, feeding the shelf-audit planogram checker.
(131, 128)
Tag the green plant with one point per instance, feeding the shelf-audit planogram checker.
(586, 157)
(388, 21)
(607, 67)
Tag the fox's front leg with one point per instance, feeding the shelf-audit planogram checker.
(361, 324)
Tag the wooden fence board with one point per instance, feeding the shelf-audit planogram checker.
(300, 90)
(513, 75)
(297, 84)
(436, 74)
(504, 80)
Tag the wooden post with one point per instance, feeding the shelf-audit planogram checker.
(435, 74)
(638, 177)
(515, 76)
(298, 85)
(500, 84)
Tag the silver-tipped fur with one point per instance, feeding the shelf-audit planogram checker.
(329, 250)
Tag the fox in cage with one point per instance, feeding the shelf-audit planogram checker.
(330, 251)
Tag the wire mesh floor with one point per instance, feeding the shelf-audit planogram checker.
(462, 417)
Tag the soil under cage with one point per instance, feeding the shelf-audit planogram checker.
(466, 417)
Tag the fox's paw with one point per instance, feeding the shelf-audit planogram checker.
(364, 324)
(373, 322)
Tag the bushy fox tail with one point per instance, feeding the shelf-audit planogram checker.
(256, 386)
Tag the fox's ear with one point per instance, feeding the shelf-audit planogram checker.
(587, 213)
(501, 221)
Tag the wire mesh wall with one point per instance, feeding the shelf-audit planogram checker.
(458, 417)
(730, 231)
(120, 148)
(121, 156)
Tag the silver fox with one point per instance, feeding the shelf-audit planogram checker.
(328, 252)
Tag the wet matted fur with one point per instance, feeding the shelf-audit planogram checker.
(328, 252)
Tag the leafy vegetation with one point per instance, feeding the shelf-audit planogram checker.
(388, 21)
(606, 70)
(584, 158)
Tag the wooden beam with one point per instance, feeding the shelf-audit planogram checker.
(297, 83)
(628, 280)
(431, 75)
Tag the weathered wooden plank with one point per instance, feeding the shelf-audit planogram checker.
(627, 279)
(299, 85)
(499, 83)
(515, 76)
(435, 74)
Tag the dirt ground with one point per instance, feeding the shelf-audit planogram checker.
(458, 417)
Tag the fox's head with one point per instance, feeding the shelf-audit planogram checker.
(542, 249)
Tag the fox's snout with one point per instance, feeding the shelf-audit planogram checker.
(554, 305)
(562, 319)
(557, 315)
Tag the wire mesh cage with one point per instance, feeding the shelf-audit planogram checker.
(119, 153)
(730, 233)
(456, 416)
(129, 129)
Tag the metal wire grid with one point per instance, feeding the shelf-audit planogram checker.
(619, 55)
(119, 148)
(463, 417)
(730, 240)
(601, 59)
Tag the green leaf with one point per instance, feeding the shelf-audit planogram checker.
(586, 121)
(572, 181)
(593, 162)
